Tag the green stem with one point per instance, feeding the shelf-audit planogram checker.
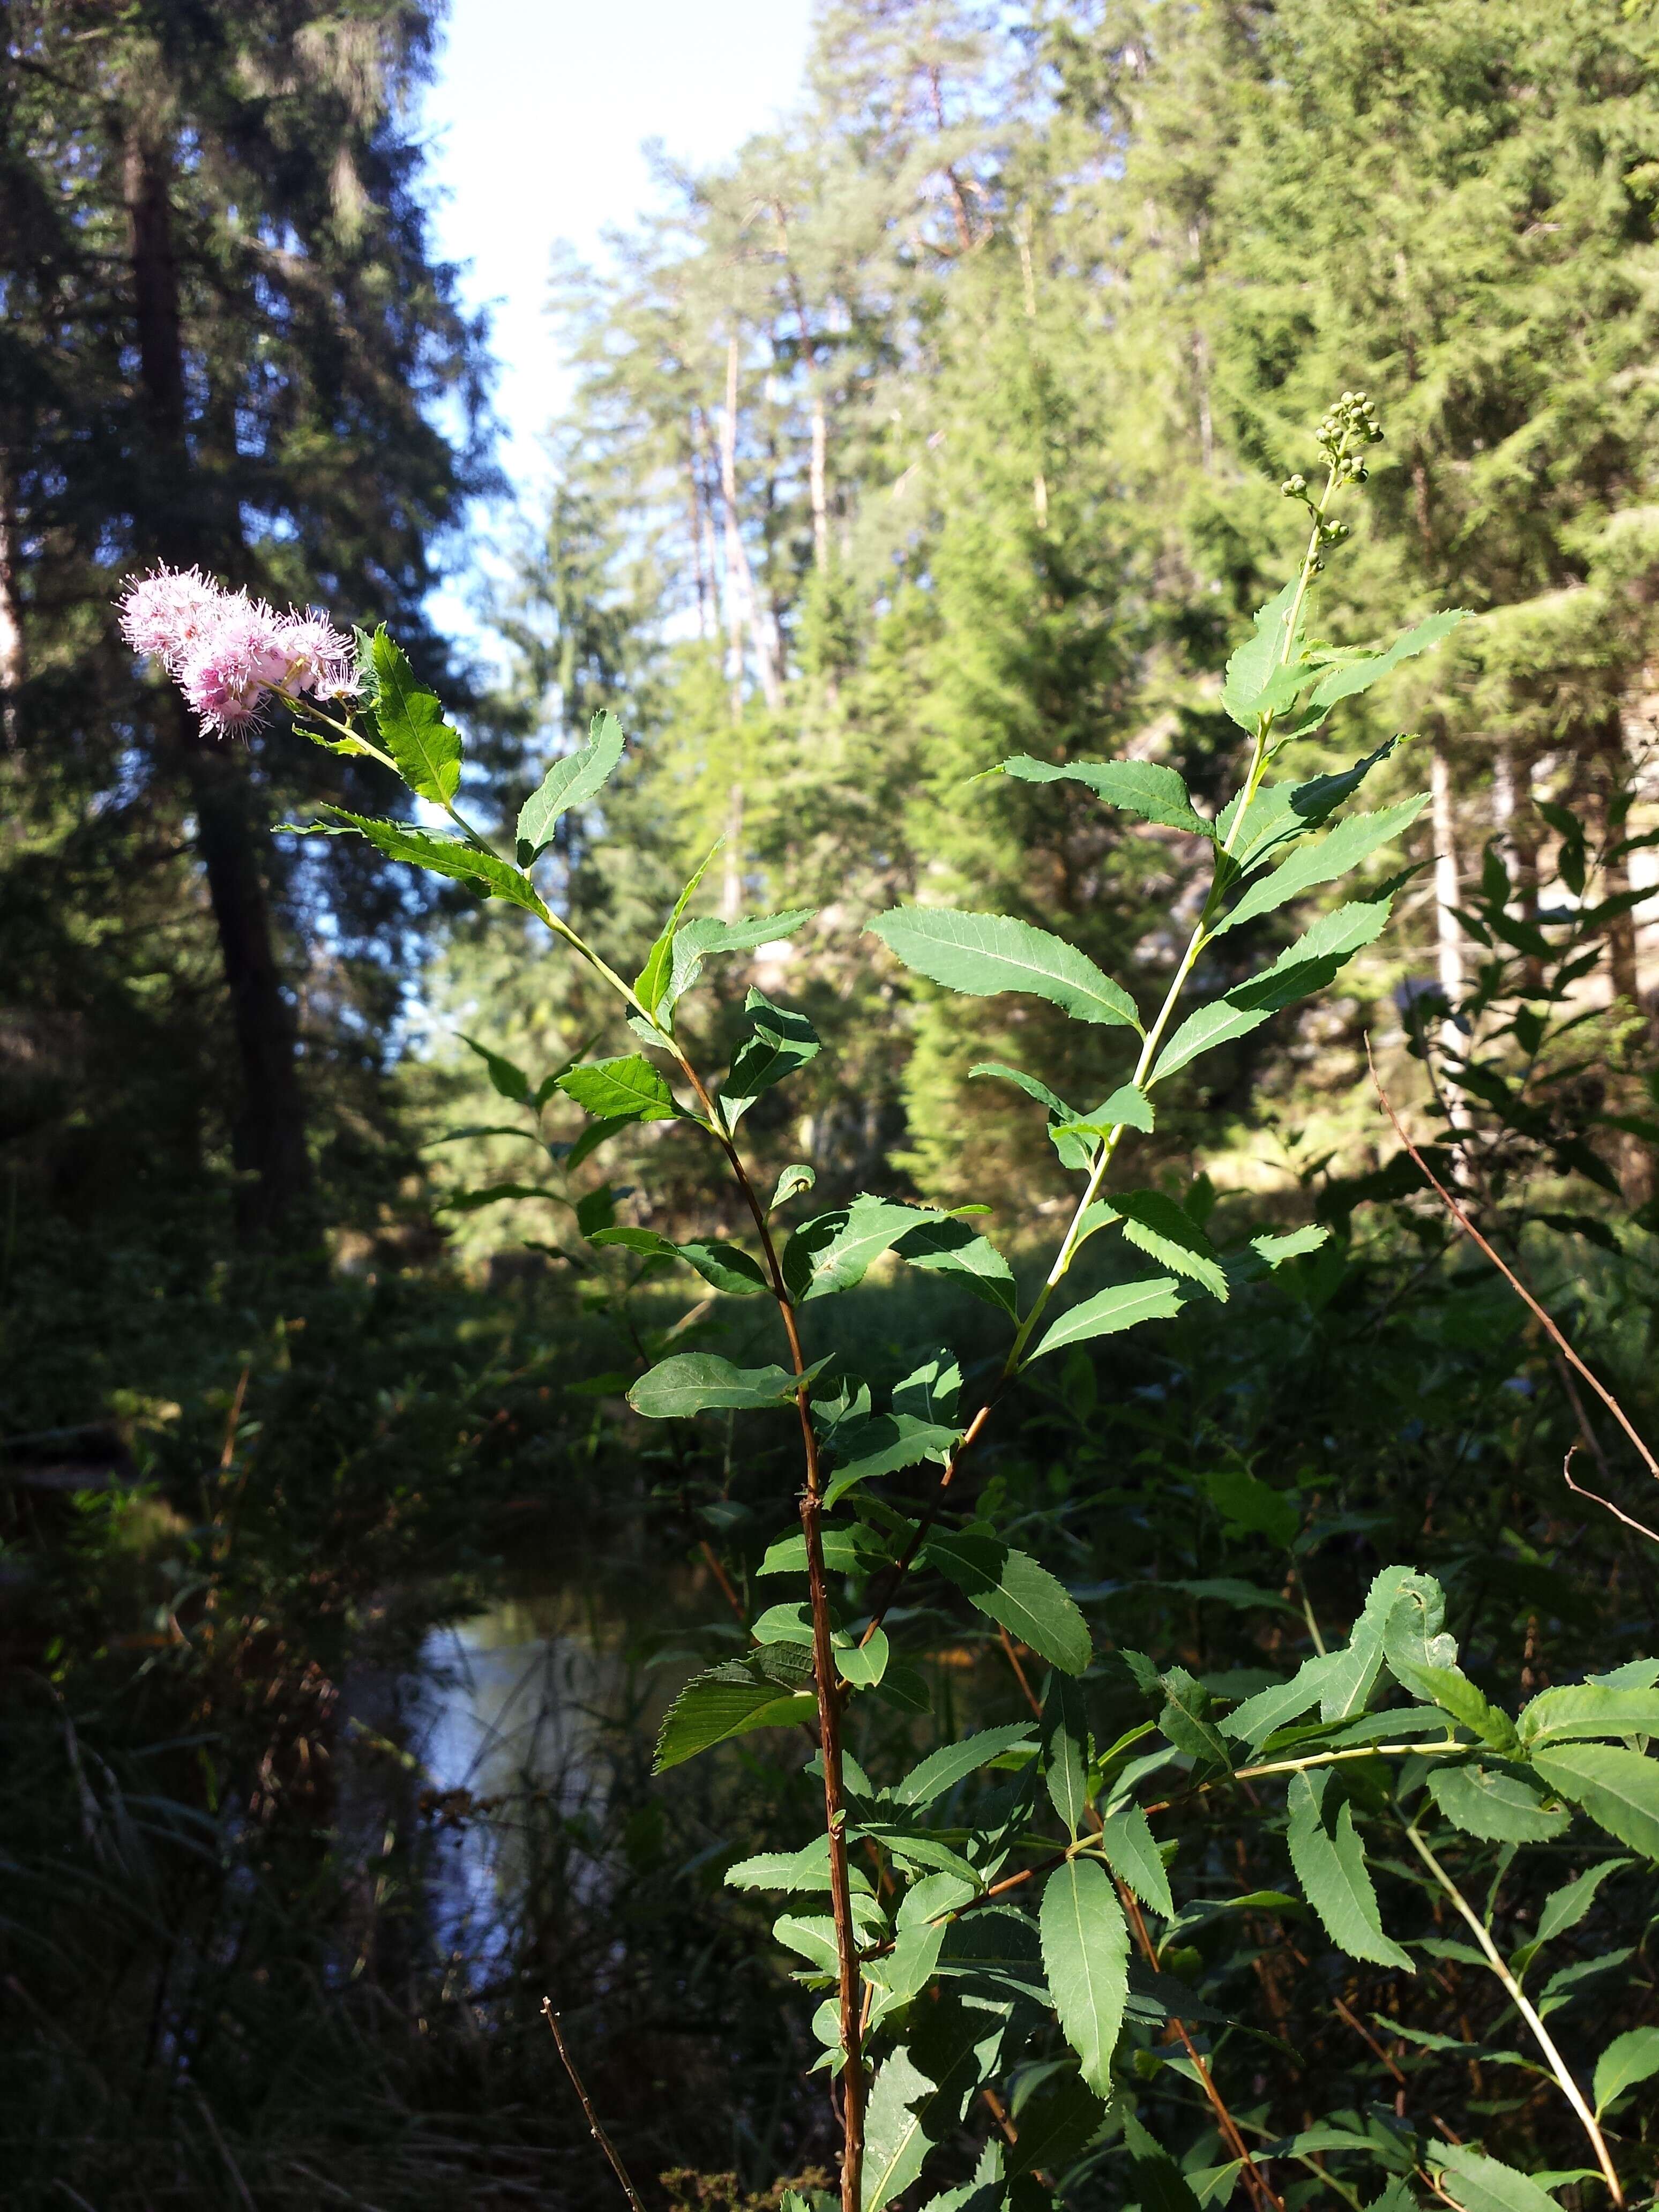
(1557, 2065)
(1142, 1079)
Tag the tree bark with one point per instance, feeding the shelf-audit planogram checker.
(13, 666)
(233, 840)
(1448, 939)
(744, 606)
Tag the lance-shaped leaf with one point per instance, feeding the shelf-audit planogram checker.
(942, 1770)
(1587, 1709)
(1254, 665)
(1304, 968)
(1085, 1955)
(1497, 1806)
(1186, 1720)
(1565, 1907)
(651, 985)
(1165, 1231)
(1350, 676)
(778, 1043)
(769, 1688)
(833, 1251)
(1028, 1084)
(1066, 1751)
(1628, 2059)
(1128, 1106)
(882, 1445)
(1281, 811)
(1110, 1310)
(507, 1080)
(1476, 2183)
(921, 2093)
(701, 1381)
(1014, 1590)
(1323, 862)
(727, 1267)
(855, 1550)
(412, 726)
(1159, 2182)
(614, 1090)
(981, 954)
(570, 782)
(943, 1247)
(807, 1868)
(704, 936)
(1619, 1788)
(1330, 1865)
(485, 874)
(1144, 788)
(1132, 1854)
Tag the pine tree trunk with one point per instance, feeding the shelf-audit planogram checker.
(269, 1136)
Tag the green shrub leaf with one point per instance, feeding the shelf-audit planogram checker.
(1119, 1307)
(614, 1090)
(1619, 1788)
(1013, 1588)
(1144, 788)
(1330, 1865)
(570, 782)
(699, 1381)
(981, 954)
(1085, 1955)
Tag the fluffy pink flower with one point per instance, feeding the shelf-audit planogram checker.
(167, 615)
(229, 653)
(320, 660)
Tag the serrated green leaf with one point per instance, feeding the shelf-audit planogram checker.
(1565, 1907)
(1054, 2124)
(1619, 1788)
(651, 985)
(833, 1251)
(767, 1689)
(1348, 1678)
(1293, 1245)
(1144, 788)
(1253, 664)
(794, 1179)
(943, 1247)
(951, 1763)
(1028, 1084)
(704, 936)
(1085, 1955)
(1498, 1808)
(412, 726)
(1588, 1709)
(1330, 1865)
(1477, 2183)
(484, 873)
(1323, 862)
(1132, 1854)
(727, 1267)
(507, 1080)
(779, 1042)
(1281, 811)
(865, 1450)
(1628, 2059)
(1165, 1231)
(982, 954)
(1185, 1719)
(1108, 1311)
(854, 1550)
(1013, 1589)
(1304, 968)
(1066, 1751)
(1350, 678)
(570, 782)
(613, 1089)
(699, 1381)
(1424, 1662)
(921, 2093)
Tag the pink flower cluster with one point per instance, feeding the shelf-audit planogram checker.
(229, 653)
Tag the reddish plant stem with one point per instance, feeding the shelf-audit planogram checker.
(826, 1676)
(1255, 2180)
(1528, 1299)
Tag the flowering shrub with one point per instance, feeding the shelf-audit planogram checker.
(1000, 1926)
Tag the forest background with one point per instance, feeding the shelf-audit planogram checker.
(945, 422)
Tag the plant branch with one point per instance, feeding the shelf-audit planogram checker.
(1522, 2004)
(594, 2127)
(1529, 1300)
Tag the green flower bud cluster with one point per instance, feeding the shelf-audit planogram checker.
(1347, 429)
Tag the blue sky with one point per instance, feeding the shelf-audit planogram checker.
(537, 123)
